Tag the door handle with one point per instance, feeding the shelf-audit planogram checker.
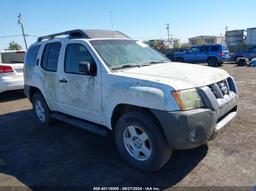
(63, 81)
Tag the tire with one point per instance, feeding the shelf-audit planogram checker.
(147, 134)
(41, 109)
(237, 59)
(212, 61)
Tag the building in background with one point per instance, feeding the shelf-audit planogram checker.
(236, 39)
(251, 37)
(164, 43)
(199, 40)
(173, 43)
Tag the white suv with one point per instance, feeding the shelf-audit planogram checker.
(104, 81)
(11, 70)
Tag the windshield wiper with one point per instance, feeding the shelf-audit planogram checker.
(137, 65)
(156, 62)
(126, 66)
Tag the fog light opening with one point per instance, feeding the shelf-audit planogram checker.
(197, 135)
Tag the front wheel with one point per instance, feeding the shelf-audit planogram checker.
(41, 109)
(141, 142)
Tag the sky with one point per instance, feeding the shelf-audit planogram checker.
(139, 19)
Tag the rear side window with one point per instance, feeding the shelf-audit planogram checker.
(32, 55)
(76, 53)
(215, 48)
(51, 56)
(12, 57)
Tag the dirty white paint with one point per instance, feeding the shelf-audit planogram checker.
(94, 98)
(178, 75)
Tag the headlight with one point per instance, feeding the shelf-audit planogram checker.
(188, 99)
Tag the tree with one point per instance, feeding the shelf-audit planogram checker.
(14, 46)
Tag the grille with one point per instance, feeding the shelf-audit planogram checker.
(220, 88)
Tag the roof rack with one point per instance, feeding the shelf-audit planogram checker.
(78, 33)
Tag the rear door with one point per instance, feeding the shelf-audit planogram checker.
(203, 54)
(49, 76)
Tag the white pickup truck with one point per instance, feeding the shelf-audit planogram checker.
(103, 81)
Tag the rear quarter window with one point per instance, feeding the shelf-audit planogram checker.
(32, 55)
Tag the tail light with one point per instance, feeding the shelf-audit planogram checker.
(222, 54)
(5, 69)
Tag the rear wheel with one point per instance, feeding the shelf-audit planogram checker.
(141, 142)
(41, 109)
(212, 61)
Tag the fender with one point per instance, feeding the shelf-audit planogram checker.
(136, 93)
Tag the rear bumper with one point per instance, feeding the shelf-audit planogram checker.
(11, 83)
(190, 129)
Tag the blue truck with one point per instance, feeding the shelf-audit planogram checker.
(250, 53)
(214, 55)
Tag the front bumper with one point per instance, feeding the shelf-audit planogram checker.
(190, 129)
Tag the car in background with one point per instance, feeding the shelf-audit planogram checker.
(11, 70)
(250, 53)
(214, 55)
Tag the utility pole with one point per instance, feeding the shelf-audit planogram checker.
(22, 29)
(168, 32)
(226, 28)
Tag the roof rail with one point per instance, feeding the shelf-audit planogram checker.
(78, 33)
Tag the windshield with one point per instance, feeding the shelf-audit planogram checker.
(12, 57)
(118, 53)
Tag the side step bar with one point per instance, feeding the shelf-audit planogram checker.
(94, 128)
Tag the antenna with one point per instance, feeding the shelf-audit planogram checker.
(22, 29)
(112, 26)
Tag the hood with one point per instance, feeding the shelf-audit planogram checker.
(178, 75)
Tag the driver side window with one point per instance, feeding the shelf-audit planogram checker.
(75, 54)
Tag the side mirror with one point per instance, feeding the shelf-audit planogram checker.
(86, 68)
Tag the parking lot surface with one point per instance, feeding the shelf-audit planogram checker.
(33, 157)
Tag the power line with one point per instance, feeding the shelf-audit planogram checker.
(10, 36)
(18, 35)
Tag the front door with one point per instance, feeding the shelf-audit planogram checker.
(79, 95)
